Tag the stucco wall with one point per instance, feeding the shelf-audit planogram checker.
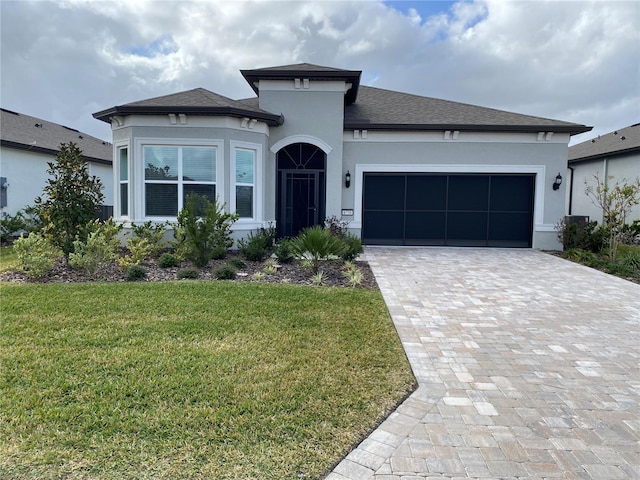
(316, 112)
(26, 173)
(620, 168)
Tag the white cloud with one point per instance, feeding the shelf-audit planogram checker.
(574, 61)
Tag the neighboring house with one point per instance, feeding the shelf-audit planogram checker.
(614, 157)
(28, 143)
(402, 169)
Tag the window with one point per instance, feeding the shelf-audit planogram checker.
(123, 165)
(244, 179)
(171, 173)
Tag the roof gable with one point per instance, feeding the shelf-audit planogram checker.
(25, 132)
(620, 142)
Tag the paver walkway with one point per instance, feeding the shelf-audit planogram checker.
(528, 367)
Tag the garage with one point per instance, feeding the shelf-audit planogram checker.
(480, 210)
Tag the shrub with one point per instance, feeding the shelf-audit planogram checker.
(153, 233)
(317, 243)
(11, 226)
(353, 247)
(256, 246)
(36, 255)
(238, 263)
(188, 273)
(283, 250)
(337, 227)
(631, 259)
(225, 272)
(218, 253)
(139, 250)
(584, 236)
(70, 200)
(203, 229)
(136, 272)
(582, 256)
(252, 251)
(168, 260)
(93, 254)
(258, 276)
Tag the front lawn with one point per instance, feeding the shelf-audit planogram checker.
(8, 259)
(191, 379)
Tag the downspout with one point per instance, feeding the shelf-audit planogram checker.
(570, 190)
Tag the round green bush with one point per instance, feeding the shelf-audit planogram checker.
(136, 272)
(238, 263)
(168, 260)
(188, 273)
(225, 272)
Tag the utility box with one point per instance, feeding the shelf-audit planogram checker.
(580, 220)
(3, 191)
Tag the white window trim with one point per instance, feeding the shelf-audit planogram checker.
(538, 170)
(258, 180)
(116, 180)
(140, 182)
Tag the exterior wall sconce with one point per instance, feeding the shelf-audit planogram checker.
(558, 182)
(347, 179)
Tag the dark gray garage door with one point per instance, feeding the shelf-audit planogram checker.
(494, 210)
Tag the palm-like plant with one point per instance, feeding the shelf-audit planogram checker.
(316, 243)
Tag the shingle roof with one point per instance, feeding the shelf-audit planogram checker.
(305, 70)
(198, 101)
(376, 108)
(25, 132)
(623, 141)
(365, 107)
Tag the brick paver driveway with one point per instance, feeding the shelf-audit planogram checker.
(528, 367)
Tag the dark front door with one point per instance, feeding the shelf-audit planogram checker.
(300, 202)
(301, 188)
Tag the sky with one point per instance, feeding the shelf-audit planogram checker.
(577, 61)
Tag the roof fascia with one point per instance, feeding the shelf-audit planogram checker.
(571, 129)
(48, 151)
(269, 118)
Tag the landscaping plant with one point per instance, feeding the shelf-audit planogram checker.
(616, 201)
(154, 233)
(71, 197)
(316, 244)
(36, 255)
(203, 229)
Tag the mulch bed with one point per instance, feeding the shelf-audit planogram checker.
(292, 272)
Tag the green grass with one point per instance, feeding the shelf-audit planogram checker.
(191, 380)
(8, 259)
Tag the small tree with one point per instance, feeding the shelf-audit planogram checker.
(70, 200)
(616, 202)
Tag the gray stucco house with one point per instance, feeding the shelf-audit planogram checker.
(314, 143)
(28, 143)
(614, 157)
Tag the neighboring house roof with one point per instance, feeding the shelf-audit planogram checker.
(366, 108)
(308, 71)
(620, 142)
(25, 132)
(198, 101)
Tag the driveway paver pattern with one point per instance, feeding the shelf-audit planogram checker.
(528, 367)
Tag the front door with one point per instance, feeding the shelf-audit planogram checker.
(301, 188)
(300, 202)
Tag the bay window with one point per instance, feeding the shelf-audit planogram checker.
(123, 179)
(245, 177)
(172, 172)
